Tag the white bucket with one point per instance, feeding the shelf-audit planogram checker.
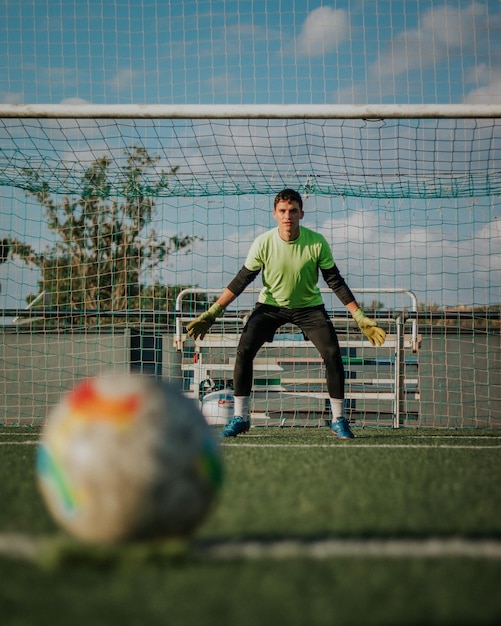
(218, 406)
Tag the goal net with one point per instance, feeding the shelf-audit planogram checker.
(119, 224)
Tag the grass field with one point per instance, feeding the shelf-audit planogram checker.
(394, 527)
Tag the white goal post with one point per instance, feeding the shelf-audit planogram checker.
(405, 194)
(268, 111)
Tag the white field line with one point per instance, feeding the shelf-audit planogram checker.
(255, 435)
(335, 445)
(19, 443)
(349, 444)
(6, 434)
(31, 548)
(261, 433)
(375, 434)
(362, 548)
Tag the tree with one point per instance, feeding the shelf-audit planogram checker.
(4, 249)
(103, 244)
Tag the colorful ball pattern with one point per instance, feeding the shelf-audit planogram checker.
(128, 457)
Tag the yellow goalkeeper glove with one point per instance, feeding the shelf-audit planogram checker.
(369, 327)
(200, 326)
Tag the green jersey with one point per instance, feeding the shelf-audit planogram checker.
(290, 268)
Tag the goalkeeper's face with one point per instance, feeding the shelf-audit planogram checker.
(288, 214)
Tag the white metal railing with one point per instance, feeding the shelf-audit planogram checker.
(193, 291)
(399, 343)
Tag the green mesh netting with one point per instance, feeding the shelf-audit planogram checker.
(391, 158)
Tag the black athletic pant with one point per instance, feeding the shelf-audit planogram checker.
(315, 325)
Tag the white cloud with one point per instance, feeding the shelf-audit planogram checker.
(489, 91)
(489, 94)
(74, 101)
(324, 29)
(373, 250)
(123, 80)
(454, 42)
(453, 28)
(441, 32)
(11, 97)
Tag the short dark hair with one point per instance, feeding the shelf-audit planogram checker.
(288, 194)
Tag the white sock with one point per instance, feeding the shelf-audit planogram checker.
(242, 407)
(337, 408)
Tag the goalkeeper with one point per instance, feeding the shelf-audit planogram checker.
(290, 258)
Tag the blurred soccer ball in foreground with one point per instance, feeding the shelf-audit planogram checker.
(127, 457)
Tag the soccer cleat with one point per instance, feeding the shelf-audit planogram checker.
(341, 428)
(235, 426)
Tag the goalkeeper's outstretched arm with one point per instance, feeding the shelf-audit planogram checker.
(369, 327)
(200, 326)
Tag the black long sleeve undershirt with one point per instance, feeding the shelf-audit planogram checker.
(242, 280)
(331, 276)
(338, 285)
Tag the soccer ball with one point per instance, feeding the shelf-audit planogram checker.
(219, 406)
(127, 457)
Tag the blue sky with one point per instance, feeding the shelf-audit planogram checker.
(271, 52)
(250, 51)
